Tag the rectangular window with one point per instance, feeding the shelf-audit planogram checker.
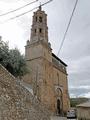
(35, 30)
(36, 19)
(40, 30)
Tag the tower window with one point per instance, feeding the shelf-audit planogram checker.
(40, 19)
(36, 19)
(40, 30)
(35, 30)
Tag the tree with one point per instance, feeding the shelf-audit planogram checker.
(76, 101)
(17, 62)
(4, 53)
(12, 60)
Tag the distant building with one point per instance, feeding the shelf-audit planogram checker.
(83, 111)
(48, 74)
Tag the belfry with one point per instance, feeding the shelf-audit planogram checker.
(39, 29)
(48, 75)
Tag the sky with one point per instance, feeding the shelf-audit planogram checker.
(76, 48)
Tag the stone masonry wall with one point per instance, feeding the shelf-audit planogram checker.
(16, 102)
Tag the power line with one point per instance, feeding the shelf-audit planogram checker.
(67, 27)
(18, 8)
(27, 11)
(22, 14)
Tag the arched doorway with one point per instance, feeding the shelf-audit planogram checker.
(59, 102)
(58, 107)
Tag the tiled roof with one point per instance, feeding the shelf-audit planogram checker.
(59, 59)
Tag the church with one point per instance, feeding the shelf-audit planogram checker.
(47, 73)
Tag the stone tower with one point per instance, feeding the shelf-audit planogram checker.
(39, 29)
(48, 76)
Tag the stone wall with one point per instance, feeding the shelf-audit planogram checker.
(16, 102)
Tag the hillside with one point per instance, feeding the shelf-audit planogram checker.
(76, 101)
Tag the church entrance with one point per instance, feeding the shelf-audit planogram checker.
(58, 107)
(59, 102)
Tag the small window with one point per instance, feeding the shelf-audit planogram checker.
(35, 30)
(58, 78)
(40, 19)
(40, 30)
(36, 19)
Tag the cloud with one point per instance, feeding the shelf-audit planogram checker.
(13, 33)
(79, 65)
(10, 1)
(16, 29)
(80, 91)
(79, 72)
(86, 94)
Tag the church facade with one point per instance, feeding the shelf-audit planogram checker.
(47, 73)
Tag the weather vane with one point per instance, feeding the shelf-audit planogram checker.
(40, 6)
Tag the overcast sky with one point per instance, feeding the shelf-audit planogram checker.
(76, 48)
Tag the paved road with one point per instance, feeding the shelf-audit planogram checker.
(60, 118)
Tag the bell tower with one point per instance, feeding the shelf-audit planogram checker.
(39, 30)
(38, 52)
(38, 46)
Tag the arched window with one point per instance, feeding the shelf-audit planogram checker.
(40, 19)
